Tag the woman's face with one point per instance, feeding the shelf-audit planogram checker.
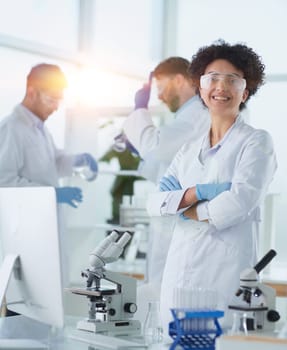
(223, 88)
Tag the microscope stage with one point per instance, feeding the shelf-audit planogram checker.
(87, 292)
(247, 308)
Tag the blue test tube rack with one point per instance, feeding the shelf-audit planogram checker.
(195, 329)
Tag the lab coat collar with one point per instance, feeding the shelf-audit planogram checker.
(206, 150)
(206, 140)
(188, 103)
(30, 117)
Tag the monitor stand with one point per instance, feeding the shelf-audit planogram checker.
(10, 262)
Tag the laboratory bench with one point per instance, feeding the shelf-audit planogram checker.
(250, 343)
(19, 328)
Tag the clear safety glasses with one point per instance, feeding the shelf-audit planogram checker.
(231, 81)
(50, 100)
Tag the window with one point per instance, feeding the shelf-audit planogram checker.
(47, 22)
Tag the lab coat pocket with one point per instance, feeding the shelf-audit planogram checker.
(213, 255)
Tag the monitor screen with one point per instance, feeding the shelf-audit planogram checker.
(29, 229)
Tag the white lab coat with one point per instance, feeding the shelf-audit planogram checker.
(157, 147)
(212, 255)
(28, 156)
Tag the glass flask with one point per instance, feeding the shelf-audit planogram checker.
(120, 143)
(239, 324)
(152, 329)
(85, 172)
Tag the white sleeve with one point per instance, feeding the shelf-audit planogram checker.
(12, 159)
(167, 202)
(252, 176)
(188, 126)
(64, 161)
(164, 203)
(190, 123)
(202, 211)
(141, 131)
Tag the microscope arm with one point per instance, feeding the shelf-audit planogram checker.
(126, 286)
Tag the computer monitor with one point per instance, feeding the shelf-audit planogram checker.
(29, 231)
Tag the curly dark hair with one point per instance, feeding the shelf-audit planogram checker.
(241, 56)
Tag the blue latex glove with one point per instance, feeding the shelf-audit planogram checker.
(210, 191)
(69, 195)
(169, 183)
(85, 159)
(142, 95)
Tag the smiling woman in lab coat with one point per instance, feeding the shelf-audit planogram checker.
(216, 185)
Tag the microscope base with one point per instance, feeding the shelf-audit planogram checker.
(114, 327)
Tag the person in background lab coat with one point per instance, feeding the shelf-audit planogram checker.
(158, 145)
(28, 156)
(214, 187)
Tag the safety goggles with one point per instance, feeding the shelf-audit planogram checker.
(50, 100)
(231, 81)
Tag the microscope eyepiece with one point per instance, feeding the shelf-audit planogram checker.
(265, 260)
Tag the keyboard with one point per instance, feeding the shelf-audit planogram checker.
(104, 341)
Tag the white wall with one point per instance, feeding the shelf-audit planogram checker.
(259, 23)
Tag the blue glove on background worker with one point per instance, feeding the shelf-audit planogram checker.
(169, 183)
(210, 191)
(69, 195)
(142, 95)
(141, 101)
(85, 159)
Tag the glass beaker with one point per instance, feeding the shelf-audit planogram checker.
(152, 329)
(120, 143)
(239, 324)
(84, 171)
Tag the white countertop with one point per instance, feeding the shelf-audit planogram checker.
(22, 328)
